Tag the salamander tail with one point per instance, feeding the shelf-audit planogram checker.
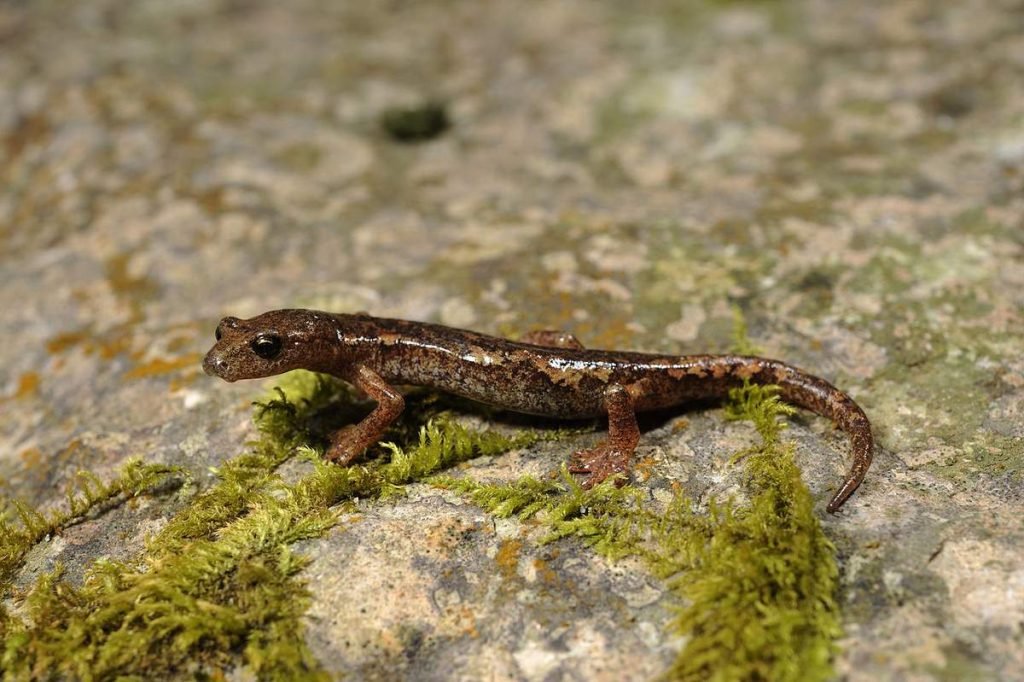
(824, 399)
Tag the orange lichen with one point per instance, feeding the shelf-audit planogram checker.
(644, 467)
(28, 386)
(680, 424)
(67, 340)
(179, 343)
(159, 366)
(113, 345)
(545, 573)
(28, 130)
(130, 289)
(508, 558)
(465, 621)
(108, 345)
(447, 534)
(211, 200)
(31, 457)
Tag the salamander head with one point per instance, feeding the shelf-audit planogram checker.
(268, 344)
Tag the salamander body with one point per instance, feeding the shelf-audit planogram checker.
(546, 373)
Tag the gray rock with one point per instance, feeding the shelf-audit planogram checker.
(850, 174)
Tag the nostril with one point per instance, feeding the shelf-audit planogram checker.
(214, 366)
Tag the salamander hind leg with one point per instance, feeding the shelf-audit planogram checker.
(612, 456)
(552, 338)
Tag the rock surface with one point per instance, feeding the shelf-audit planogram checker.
(850, 174)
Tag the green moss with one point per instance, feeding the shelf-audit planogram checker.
(757, 580)
(760, 579)
(88, 495)
(219, 586)
(603, 517)
(741, 344)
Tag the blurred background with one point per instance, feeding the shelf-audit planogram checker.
(848, 175)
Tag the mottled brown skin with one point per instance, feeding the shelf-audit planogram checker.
(547, 373)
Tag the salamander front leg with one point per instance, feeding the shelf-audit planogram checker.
(350, 442)
(552, 338)
(613, 455)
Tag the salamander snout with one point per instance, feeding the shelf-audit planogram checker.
(215, 365)
(268, 344)
(222, 360)
(275, 342)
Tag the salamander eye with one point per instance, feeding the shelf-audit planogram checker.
(267, 346)
(217, 334)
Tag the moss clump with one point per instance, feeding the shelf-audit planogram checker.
(741, 343)
(219, 586)
(761, 579)
(757, 580)
(88, 495)
(604, 517)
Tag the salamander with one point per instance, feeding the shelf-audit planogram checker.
(546, 373)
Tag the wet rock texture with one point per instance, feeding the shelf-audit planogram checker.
(850, 174)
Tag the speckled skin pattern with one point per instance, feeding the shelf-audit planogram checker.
(549, 373)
